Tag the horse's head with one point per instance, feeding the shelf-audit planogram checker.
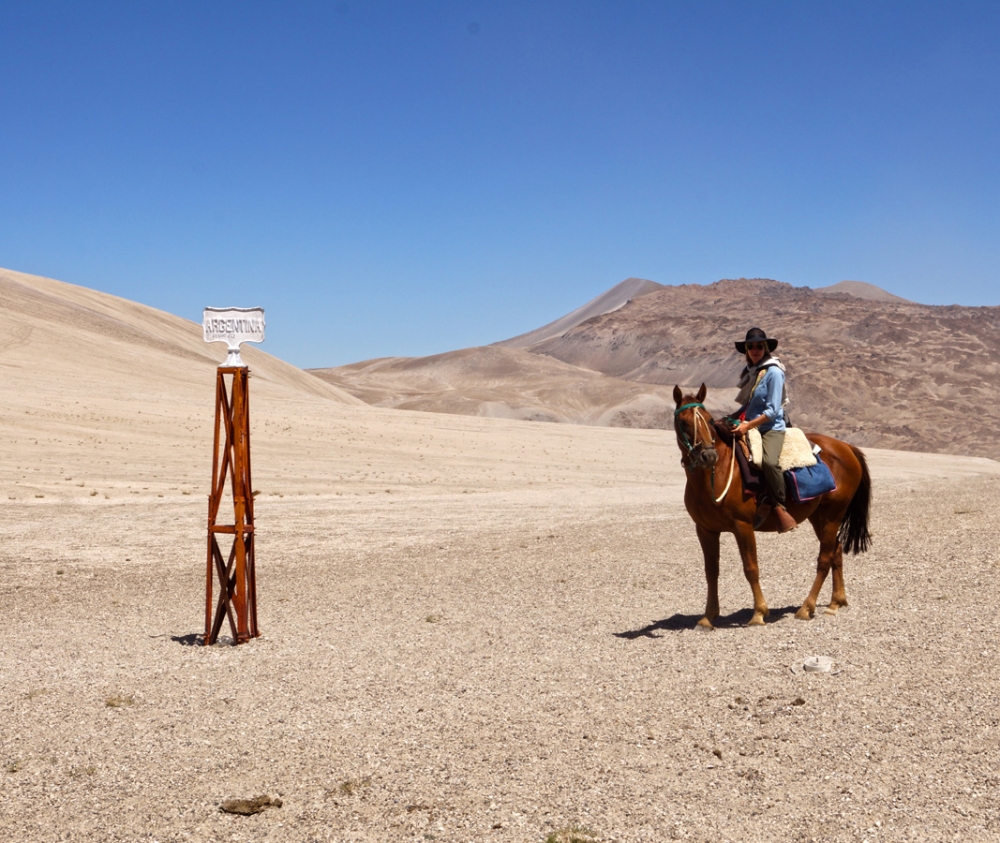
(693, 426)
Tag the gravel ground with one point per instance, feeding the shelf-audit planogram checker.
(516, 665)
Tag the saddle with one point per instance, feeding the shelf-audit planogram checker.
(796, 450)
(796, 453)
(753, 480)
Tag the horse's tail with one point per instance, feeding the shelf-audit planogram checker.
(853, 533)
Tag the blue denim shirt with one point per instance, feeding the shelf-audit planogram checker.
(766, 400)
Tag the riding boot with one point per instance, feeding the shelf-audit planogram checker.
(763, 510)
(785, 520)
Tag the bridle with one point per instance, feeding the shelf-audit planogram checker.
(696, 450)
(698, 421)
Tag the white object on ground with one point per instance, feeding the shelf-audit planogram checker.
(818, 664)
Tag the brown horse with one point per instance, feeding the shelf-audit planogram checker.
(715, 500)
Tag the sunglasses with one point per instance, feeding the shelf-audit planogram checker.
(755, 346)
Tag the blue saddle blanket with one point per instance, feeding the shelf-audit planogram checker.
(810, 482)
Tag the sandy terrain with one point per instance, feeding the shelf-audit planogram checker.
(473, 629)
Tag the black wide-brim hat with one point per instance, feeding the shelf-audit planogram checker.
(756, 335)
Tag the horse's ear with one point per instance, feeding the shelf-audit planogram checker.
(678, 396)
(702, 393)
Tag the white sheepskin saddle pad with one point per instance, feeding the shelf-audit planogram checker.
(796, 452)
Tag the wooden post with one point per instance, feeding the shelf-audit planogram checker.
(237, 599)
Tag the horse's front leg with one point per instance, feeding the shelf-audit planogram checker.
(747, 542)
(710, 549)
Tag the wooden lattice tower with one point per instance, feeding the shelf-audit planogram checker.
(237, 593)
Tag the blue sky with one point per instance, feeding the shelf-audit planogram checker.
(405, 178)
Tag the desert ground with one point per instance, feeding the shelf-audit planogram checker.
(473, 629)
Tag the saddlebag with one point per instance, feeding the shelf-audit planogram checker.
(810, 482)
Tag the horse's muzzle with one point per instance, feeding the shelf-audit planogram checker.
(708, 457)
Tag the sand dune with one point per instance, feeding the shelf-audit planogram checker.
(499, 382)
(115, 394)
(50, 325)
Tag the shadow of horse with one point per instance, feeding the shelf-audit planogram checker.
(679, 622)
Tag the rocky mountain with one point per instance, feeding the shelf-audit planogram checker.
(860, 290)
(888, 373)
(607, 302)
(863, 365)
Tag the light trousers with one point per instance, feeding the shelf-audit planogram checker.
(773, 476)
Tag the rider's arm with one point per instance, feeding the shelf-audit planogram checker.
(750, 424)
(770, 387)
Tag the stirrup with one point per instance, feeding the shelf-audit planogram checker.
(785, 520)
(763, 510)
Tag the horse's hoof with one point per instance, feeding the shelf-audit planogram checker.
(756, 620)
(804, 614)
(831, 609)
(705, 625)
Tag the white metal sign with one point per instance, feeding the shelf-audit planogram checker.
(233, 325)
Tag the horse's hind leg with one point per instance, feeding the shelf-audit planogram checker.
(831, 555)
(710, 549)
(839, 597)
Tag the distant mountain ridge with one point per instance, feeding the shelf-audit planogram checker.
(631, 288)
(861, 290)
(863, 364)
(608, 301)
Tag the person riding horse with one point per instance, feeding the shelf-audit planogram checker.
(718, 503)
(762, 398)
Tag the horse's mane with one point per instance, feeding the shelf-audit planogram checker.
(724, 430)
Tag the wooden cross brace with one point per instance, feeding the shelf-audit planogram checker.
(237, 599)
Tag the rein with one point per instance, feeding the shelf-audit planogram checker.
(695, 406)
